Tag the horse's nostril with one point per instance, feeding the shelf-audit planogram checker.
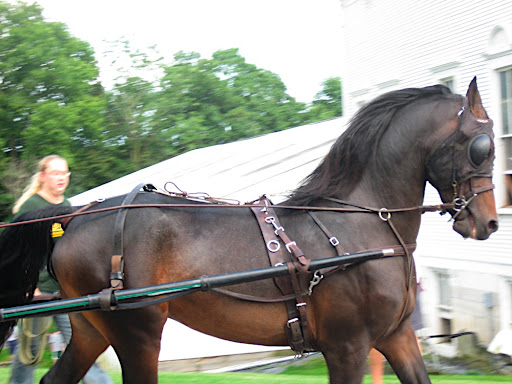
(493, 225)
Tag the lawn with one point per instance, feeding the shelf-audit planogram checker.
(313, 371)
(281, 378)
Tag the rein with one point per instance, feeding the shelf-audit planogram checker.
(354, 208)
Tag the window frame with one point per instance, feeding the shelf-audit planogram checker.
(505, 134)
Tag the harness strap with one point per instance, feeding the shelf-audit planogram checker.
(276, 254)
(297, 326)
(332, 239)
(385, 215)
(410, 266)
(117, 261)
(64, 222)
(303, 344)
(483, 188)
(256, 299)
(398, 250)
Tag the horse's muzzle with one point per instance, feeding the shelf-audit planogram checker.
(474, 225)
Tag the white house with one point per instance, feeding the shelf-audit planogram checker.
(393, 44)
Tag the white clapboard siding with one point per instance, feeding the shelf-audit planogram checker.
(394, 44)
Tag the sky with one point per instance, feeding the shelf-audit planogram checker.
(300, 40)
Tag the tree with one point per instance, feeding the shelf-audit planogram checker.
(260, 91)
(130, 129)
(328, 102)
(51, 101)
(205, 102)
(192, 104)
(40, 63)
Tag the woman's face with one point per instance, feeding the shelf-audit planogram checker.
(55, 178)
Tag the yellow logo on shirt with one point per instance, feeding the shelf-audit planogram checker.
(57, 230)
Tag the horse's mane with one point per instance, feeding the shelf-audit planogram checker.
(342, 168)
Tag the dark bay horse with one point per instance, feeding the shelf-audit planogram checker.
(392, 147)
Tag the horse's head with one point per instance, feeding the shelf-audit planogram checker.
(460, 168)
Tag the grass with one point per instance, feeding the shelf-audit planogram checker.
(313, 371)
(305, 376)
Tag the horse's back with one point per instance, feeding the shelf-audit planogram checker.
(160, 244)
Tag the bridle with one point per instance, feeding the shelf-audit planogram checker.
(479, 150)
(461, 201)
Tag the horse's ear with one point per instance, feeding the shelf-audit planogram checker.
(475, 101)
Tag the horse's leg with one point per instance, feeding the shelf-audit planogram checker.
(402, 352)
(345, 363)
(85, 346)
(135, 336)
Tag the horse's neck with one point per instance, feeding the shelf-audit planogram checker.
(395, 184)
(392, 186)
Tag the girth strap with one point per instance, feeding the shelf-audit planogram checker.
(107, 298)
(117, 261)
(297, 326)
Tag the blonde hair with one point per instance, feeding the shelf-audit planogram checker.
(35, 185)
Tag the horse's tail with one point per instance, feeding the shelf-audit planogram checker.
(24, 249)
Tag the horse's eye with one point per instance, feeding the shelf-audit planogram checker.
(479, 149)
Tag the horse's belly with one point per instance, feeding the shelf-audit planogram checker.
(232, 319)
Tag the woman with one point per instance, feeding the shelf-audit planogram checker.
(46, 189)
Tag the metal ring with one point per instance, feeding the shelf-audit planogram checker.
(459, 203)
(273, 246)
(384, 210)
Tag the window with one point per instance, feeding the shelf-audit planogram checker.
(444, 303)
(448, 81)
(506, 117)
(444, 290)
(509, 303)
(446, 329)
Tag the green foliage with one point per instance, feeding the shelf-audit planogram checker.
(49, 95)
(205, 102)
(327, 103)
(52, 102)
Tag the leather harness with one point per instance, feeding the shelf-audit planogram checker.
(295, 294)
(297, 327)
(107, 298)
(281, 251)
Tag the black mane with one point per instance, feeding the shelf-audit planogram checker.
(341, 170)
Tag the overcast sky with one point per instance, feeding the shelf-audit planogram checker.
(300, 40)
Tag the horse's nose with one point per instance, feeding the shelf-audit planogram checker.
(493, 225)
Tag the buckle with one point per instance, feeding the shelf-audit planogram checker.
(289, 245)
(334, 241)
(291, 321)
